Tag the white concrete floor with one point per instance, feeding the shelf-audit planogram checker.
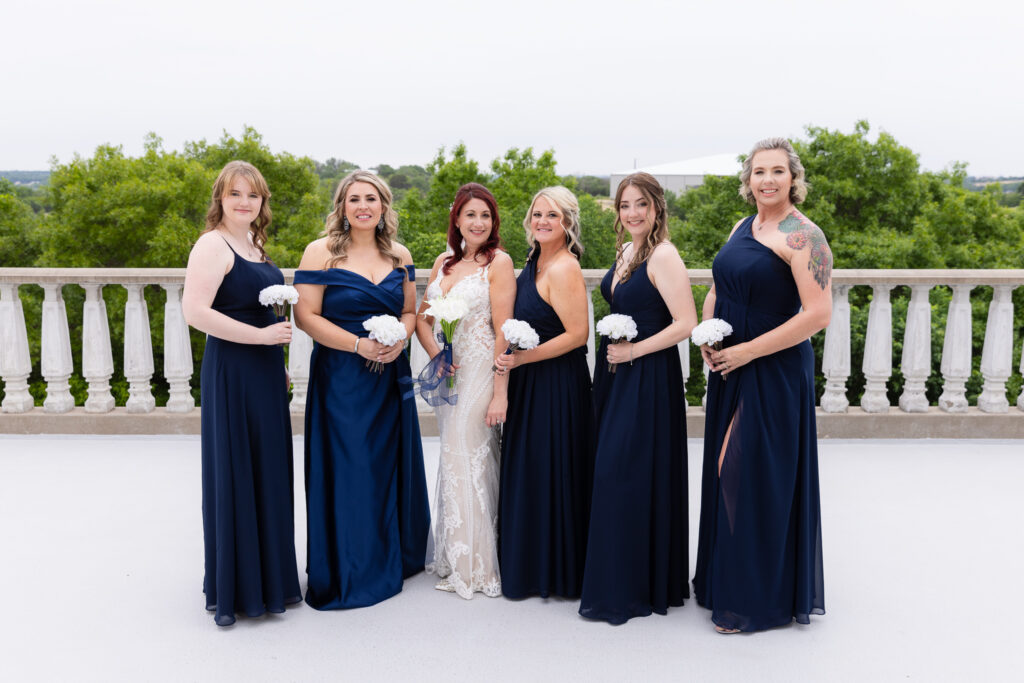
(101, 566)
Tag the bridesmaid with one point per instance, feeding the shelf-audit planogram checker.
(366, 493)
(637, 552)
(759, 559)
(248, 507)
(547, 453)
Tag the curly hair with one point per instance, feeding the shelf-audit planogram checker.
(651, 190)
(567, 205)
(797, 191)
(222, 185)
(338, 238)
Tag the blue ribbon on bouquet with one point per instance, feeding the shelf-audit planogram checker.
(433, 379)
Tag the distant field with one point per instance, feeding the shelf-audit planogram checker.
(26, 177)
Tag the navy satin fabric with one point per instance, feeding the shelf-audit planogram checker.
(546, 462)
(637, 553)
(248, 505)
(759, 556)
(366, 492)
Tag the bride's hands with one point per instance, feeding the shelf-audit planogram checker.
(496, 411)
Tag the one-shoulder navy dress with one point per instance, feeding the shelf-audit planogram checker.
(547, 460)
(366, 492)
(759, 559)
(637, 551)
(248, 500)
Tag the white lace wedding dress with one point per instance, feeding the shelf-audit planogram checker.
(466, 518)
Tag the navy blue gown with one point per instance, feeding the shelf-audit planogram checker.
(547, 459)
(759, 559)
(248, 501)
(366, 492)
(637, 551)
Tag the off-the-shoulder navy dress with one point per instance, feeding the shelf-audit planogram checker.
(366, 492)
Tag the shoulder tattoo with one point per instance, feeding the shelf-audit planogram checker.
(801, 233)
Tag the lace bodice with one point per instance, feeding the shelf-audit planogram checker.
(474, 335)
(465, 526)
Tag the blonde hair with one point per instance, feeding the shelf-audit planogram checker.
(569, 207)
(339, 238)
(797, 191)
(651, 190)
(223, 183)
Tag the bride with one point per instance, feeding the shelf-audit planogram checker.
(465, 527)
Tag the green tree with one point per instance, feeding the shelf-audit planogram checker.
(19, 246)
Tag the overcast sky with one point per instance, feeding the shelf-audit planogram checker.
(602, 83)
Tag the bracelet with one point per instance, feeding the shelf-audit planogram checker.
(355, 349)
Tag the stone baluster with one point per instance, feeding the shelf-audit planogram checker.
(299, 352)
(138, 351)
(835, 362)
(916, 363)
(15, 361)
(97, 357)
(956, 352)
(56, 341)
(177, 353)
(878, 351)
(684, 360)
(1020, 398)
(997, 354)
(591, 335)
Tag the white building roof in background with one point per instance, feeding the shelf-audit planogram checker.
(718, 164)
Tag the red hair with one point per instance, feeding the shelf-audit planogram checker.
(465, 194)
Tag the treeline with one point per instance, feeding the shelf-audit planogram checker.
(878, 209)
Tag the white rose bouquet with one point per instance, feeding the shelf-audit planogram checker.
(279, 296)
(387, 330)
(448, 310)
(520, 336)
(617, 327)
(711, 332)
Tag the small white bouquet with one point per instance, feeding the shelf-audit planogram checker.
(519, 335)
(617, 327)
(711, 332)
(278, 296)
(448, 310)
(387, 330)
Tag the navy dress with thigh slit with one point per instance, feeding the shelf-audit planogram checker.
(759, 557)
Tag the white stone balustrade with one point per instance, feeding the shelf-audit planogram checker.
(97, 358)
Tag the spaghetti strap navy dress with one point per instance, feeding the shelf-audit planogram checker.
(759, 557)
(637, 553)
(248, 499)
(366, 491)
(547, 459)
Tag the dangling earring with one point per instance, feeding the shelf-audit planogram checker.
(380, 226)
(344, 223)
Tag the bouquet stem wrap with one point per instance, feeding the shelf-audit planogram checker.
(436, 381)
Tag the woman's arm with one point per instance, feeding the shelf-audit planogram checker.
(668, 274)
(568, 295)
(811, 265)
(502, 279)
(210, 260)
(310, 305)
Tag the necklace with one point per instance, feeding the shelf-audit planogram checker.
(470, 258)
